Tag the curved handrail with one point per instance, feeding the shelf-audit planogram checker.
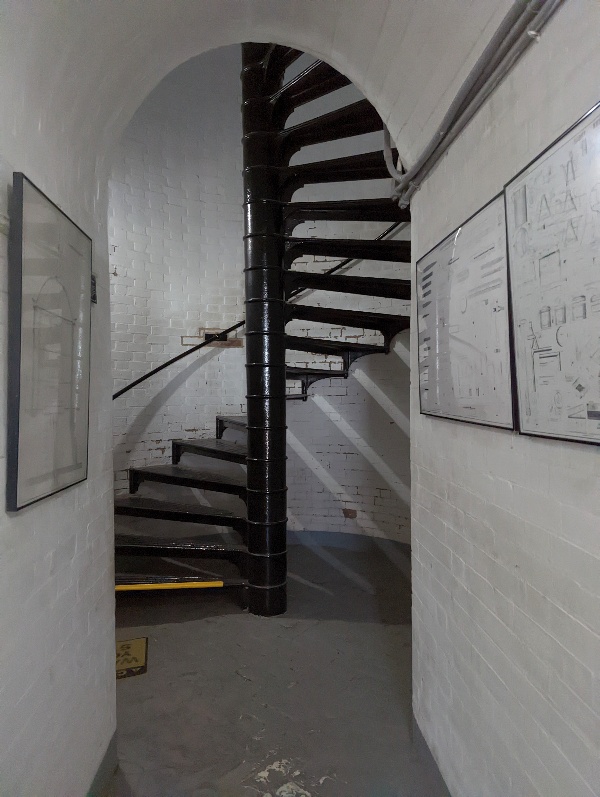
(212, 338)
(209, 339)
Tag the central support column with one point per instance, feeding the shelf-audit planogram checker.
(265, 339)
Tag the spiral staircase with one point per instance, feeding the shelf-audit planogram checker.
(256, 555)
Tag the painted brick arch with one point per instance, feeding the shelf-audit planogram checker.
(505, 529)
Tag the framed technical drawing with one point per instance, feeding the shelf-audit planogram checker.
(463, 323)
(553, 220)
(50, 262)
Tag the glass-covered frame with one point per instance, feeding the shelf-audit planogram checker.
(50, 267)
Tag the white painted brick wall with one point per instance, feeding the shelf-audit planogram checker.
(506, 529)
(176, 256)
(505, 637)
(57, 681)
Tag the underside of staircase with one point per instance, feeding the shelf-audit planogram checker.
(253, 546)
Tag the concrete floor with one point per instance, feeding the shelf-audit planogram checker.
(315, 703)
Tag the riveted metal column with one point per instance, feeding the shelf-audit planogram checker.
(265, 341)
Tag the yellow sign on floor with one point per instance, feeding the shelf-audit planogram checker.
(132, 657)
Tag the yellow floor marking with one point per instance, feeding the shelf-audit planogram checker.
(175, 585)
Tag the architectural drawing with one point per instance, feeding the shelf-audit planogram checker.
(553, 219)
(464, 354)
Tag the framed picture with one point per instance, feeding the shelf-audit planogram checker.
(463, 323)
(553, 221)
(50, 262)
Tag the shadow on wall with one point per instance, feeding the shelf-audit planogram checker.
(176, 255)
(349, 452)
(137, 428)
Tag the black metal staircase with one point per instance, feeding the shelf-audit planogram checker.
(259, 554)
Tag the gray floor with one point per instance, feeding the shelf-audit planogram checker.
(315, 703)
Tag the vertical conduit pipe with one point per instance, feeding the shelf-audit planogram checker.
(265, 338)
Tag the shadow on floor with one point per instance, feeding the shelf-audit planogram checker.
(368, 584)
(314, 703)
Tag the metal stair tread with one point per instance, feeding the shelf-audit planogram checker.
(384, 249)
(282, 57)
(152, 581)
(234, 420)
(366, 286)
(297, 372)
(214, 447)
(367, 166)
(323, 346)
(138, 505)
(363, 161)
(176, 474)
(383, 209)
(352, 318)
(315, 81)
(188, 544)
(351, 120)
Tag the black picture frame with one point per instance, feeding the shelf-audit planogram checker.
(49, 348)
(508, 364)
(556, 310)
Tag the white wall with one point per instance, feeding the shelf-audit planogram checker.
(506, 651)
(176, 258)
(176, 262)
(506, 529)
(57, 711)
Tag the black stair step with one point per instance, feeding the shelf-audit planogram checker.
(295, 213)
(260, 51)
(297, 372)
(274, 59)
(351, 120)
(136, 506)
(308, 376)
(279, 59)
(332, 347)
(349, 352)
(239, 422)
(201, 479)
(219, 449)
(368, 166)
(366, 286)
(125, 582)
(388, 325)
(394, 251)
(186, 547)
(315, 81)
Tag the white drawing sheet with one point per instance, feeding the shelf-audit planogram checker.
(464, 351)
(553, 220)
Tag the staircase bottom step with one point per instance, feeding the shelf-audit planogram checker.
(197, 547)
(129, 582)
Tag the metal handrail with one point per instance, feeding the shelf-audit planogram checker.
(209, 339)
(212, 338)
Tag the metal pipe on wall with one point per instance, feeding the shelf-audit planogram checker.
(518, 29)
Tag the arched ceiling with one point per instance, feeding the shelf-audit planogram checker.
(74, 71)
